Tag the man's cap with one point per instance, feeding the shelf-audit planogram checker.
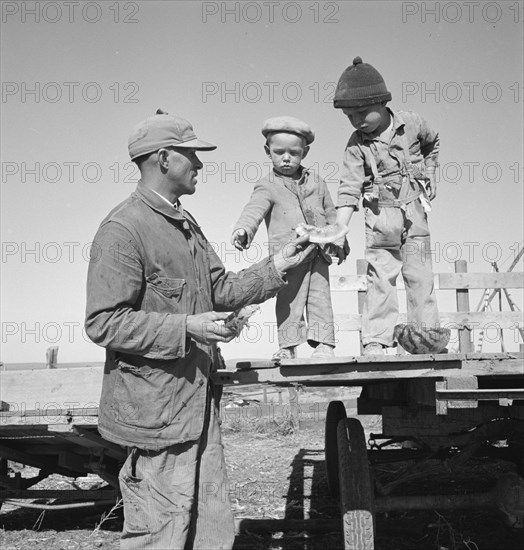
(360, 85)
(164, 130)
(289, 125)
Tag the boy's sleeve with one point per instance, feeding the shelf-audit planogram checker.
(327, 202)
(352, 177)
(429, 143)
(255, 210)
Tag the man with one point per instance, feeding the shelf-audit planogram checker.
(156, 292)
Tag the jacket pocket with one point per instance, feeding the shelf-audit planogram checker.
(144, 396)
(166, 286)
(165, 294)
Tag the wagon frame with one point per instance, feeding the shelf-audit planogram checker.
(438, 405)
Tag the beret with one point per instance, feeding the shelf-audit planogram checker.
(289, 125)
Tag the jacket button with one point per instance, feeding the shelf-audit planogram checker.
(201, 382)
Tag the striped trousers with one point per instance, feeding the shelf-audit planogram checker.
(178, 498)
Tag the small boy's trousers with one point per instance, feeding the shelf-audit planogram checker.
(178, 498)
(397, 240)
(307, 288)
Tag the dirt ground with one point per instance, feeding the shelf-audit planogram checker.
(278, 472)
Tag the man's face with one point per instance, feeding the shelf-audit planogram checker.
(286, 152)
(366, 119)
(183, 167)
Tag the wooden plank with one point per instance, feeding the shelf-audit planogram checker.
(91, 440)
(73, 461)
(21, 421)
(371, 361)
(461, 383)
(66, 494)
(28, 459)
(358, 371)
(358, 282)
(464, 333)
(507, 320)
(462, 280)
(350, 282)
(452, 383)
(362, 267)
(442, 281)
(480, 395)
(402, 421)
(51, 388)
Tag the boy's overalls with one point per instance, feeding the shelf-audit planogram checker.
(397, 240)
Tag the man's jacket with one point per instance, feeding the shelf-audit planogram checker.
(150, 268)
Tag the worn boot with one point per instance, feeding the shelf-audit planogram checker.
(284, 353)
(323, 351)
(373, 348)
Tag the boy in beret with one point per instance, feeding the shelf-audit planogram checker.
(390, 160)
(286, 197)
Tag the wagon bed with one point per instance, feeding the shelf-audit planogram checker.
(447, 406)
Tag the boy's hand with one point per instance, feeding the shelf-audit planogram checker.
(431, 185)
(339, 250)
(239, 239)
(293, 253)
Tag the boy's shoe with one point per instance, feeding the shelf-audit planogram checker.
(323, 351)
(284, 353)
(373, 348)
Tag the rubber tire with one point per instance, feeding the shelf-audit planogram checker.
(357, 498)
(336, 411)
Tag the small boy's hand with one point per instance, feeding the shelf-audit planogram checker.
(239, 239)
(431, 185)
(339, 250)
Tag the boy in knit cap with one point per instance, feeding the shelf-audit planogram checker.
(390, 160)
(286, 197)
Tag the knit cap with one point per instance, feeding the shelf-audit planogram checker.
(360, 85)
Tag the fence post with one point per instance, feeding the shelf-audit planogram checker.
(362, 269)
(464, 333)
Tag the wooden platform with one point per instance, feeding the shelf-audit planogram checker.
(359, 370)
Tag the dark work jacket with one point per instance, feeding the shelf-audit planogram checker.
(150, 268)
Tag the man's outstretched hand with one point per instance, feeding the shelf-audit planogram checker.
(203, 328)
(293, 253)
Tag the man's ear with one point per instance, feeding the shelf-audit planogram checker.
(162, 155)
(306, 151)
(266, 149)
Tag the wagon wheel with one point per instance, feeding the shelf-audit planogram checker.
(357, 500)
(3, 472)
(335, 412)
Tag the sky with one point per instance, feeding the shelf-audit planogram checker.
(78, 76)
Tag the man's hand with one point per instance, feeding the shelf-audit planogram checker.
(204, 329)
(339, 249)
(431, 185)
(293, 253)
(239, 239)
